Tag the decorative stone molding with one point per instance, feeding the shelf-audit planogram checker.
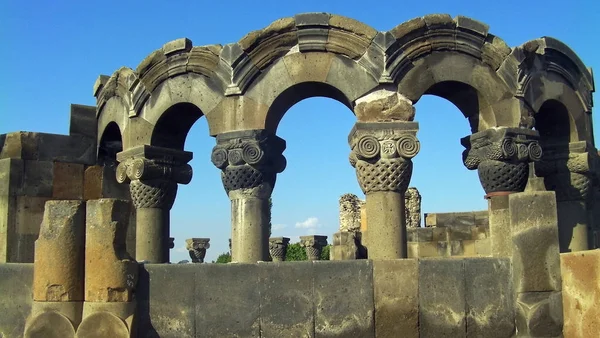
(249, 159)
(278, 248)
(571, 172)
(412, 203)
(382, 153)
(153, 174)
(502, 157)
(197, 248)
(313, 245)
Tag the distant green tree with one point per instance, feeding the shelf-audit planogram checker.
(325, 253)
(295, 253)
(224, 258)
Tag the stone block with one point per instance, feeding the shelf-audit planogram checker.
(170, 312)
(62, 148)
(59, 253)
(429, 249)
(102, 324)
(83, 121)
(92, 182)
(536, 260)
(581, 293)
(68, 181)
(480, 232)
(412, 235)
(424, 234)
(483, 247)
(19, 145)
(439, 234)
(539, 314)
(30, 213)
(15, 280)
(110, 273)
(455, 219)
(395, 284)
(8, 213)
(50, 324)
(469, 248)
(489, 298)
(442, 298)
(231, 308)
(343, 298)
(413, 250)
(37, 179)
(430, 220)
(456, 248)
(11, 176)
(460, 232)
(286, 299)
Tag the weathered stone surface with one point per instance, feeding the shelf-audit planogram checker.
(286, 299)
(15, 280)
(11, 176)
(313, 245)
(28, 217)
(68, 181)
(110, 273)
(37, 179)
(539, 314)
(50, 325)
(350, 213)
(395, 285)
(384, 105)
(442, 298)
(536, 260)
(412, 204)
(59, 253)
(72, 149)
(489, 298)
(101, 325)
(345, 246)
(581, 293)
(337, 314)
(83, 121)
(197, 248)
(238, 297)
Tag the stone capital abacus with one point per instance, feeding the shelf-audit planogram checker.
(197, 248)
(250, 161)
(571, 171)
(153, 174)
(313, 245)
(278, 248)
(502, 156)
(382, 153)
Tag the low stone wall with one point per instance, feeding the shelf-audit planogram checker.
(581, 293)
(362, 298)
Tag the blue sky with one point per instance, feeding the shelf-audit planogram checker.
(53, 51)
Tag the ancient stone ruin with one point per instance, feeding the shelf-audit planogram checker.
(85, 224)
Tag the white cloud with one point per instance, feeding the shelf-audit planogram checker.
(309, 223)
(275, 227)
(182, 249)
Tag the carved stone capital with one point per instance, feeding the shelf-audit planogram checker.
(153, 174)
(382, 153)
(502, 157)
(571, 172)
(249, 159)
(197, 248)
(313, 245)
(278, 248)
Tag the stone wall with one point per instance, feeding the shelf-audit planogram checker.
(38, 167)
(581, 293)
(361, 298)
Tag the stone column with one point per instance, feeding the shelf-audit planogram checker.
(381, 154)
(153, 174)
(278, 248)
(570, 172)
(250, 161)
(197, 248)
(58, 272)
(313, 245)
(501, 157)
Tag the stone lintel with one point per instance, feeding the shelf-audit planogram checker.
(361, 128)
(279, 240)
(313, 240)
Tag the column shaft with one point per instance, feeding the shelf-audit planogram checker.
(249, 229)
(386, 217)
(152, 235)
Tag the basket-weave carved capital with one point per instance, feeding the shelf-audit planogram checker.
(382, 153)
(502, 157)
(249, 159)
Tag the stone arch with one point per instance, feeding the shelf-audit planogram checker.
(456, 59)
(171, 129)
(109, 144)
(549, 71)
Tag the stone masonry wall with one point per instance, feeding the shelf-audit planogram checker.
(38, 167)
(468, 297)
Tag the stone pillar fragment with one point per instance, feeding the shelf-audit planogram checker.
(345, 246)
(250, 161)
(381, 154)
(570, 172)
(110, 273)
(197, 248)
(313, 245)
(412, 201)
(278, 248)
(153, 174)
(350, 213)
(58, 271)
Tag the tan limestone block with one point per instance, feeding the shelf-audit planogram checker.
(308, 67)
(30, 213)
(483, 247)
(413, 250)
(92, 182)
(581, 293)
(49, 324)
(110, 273)
(239, 113)
(429, 249)
(58, 268)
(68, 181)
(469, 248)
(351, 25)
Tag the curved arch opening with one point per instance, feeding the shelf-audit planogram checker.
(297, 93)
(172, 127)
(553, 123)
(110, 144)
